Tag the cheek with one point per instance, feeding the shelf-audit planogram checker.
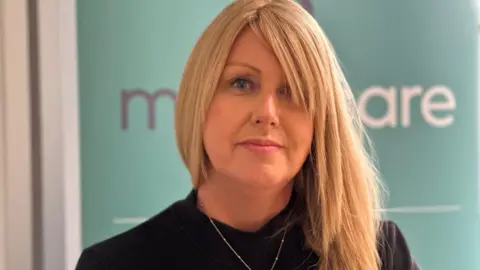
(213, 132)
(300, 136)
(218, 131)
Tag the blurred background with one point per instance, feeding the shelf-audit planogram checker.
(87, 90)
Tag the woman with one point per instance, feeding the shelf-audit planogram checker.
(267, 128)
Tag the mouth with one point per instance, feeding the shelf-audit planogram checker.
(261, 145)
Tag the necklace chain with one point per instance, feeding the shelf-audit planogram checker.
(233, 250)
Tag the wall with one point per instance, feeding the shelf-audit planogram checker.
(39, 176)
(16, 229)
(3, 194)
(58, 134)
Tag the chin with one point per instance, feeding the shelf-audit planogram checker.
(264, 180)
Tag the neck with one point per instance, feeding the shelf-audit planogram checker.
(243, 208)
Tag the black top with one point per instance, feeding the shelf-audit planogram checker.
(182, 238)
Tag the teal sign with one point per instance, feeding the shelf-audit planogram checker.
(412, 65)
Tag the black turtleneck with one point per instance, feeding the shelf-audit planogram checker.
(183, 238)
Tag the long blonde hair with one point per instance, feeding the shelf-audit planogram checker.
(337, 185)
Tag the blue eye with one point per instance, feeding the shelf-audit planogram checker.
(241, 83)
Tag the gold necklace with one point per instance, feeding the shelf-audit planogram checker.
(233, 250)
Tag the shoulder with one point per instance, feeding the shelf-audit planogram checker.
(142, 245)
(393, 248)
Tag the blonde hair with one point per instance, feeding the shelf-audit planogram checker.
(337, 186)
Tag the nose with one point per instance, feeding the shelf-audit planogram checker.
(266, 111)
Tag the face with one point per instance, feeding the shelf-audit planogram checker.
(254, 133)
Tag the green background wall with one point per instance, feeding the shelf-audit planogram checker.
(131, 52)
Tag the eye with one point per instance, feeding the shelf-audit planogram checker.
(241, 83)
(284, 92)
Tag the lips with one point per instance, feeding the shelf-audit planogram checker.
(262, 146)
(261, 142)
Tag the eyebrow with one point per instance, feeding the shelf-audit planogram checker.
(257, 70)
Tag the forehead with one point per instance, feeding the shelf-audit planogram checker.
(249, 47)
